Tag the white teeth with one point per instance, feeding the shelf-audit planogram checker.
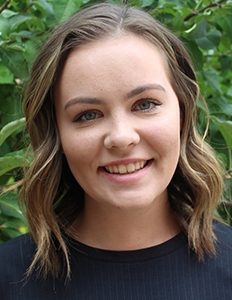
(137, 166)
(123, 169)
(130, 168)
(110, 169)
(115, 169)
(142, 163)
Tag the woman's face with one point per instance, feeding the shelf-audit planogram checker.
(119, 122)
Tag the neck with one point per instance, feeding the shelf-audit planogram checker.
(113, 229)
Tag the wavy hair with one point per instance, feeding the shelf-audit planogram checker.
(49, 187)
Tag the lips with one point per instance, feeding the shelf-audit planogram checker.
(127, 168)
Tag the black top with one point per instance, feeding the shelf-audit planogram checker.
(167, 271)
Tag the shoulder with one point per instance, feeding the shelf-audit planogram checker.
(15, 258)
(17, 252)
(223, 231)
(223, 234)
(16, 243)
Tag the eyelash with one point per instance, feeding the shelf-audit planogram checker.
(150, 101)
(81, 115)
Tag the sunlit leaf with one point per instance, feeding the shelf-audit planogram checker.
(4, 27)
(9, 206)
(65, 8)
(9, 163)
(200, 30)
(45, 7)
(8, 129)
(19, 19)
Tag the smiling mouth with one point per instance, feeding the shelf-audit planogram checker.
(126, 169)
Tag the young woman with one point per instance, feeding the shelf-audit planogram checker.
(120, 197)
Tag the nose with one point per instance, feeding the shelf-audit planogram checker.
(121, 134)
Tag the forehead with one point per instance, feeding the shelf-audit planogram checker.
(111, 69)
(122, 38)
(125, 51)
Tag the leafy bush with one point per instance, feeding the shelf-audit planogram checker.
(204, 26)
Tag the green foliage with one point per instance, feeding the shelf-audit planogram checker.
(204, 26)
(12, 223)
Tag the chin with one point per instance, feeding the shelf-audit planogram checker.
(134, 204)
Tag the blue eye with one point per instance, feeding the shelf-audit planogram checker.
(145, 105)
(86, 116)
(89, 116)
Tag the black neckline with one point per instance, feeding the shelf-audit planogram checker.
(128, 256)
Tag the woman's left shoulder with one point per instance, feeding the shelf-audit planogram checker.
(223, 234)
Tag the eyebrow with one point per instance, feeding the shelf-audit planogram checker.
(138, 90)
(143, 88)
(85, 100)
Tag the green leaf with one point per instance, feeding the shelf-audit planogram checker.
(38, 25)
(225, 127)
(4, 28)
(226, 63)
(23, 34)
(9, 163)
(14, 160)
(15, 62)
(8, 13)
(65, 8)
(213, 80)
(204, 38)
(8, 129)
(210, 41)
(225, 44)
(13, 222)
(18, 153)
(225, 22)
(19, 19)
(200, 30)
(229, 91)
(196, 54)
(9, 206)
(10, 233)
(16, 47)
(45, 7)
(31, 48)
(2, 219)
(219, 105)
(6, 77)
(178, 23)
(146, 3)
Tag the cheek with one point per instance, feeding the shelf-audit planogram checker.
(79, 148)
(165, 134)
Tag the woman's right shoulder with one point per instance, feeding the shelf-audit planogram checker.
(17, 250)
(15, 258)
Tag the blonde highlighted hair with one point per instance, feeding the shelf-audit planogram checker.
(49, 187)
